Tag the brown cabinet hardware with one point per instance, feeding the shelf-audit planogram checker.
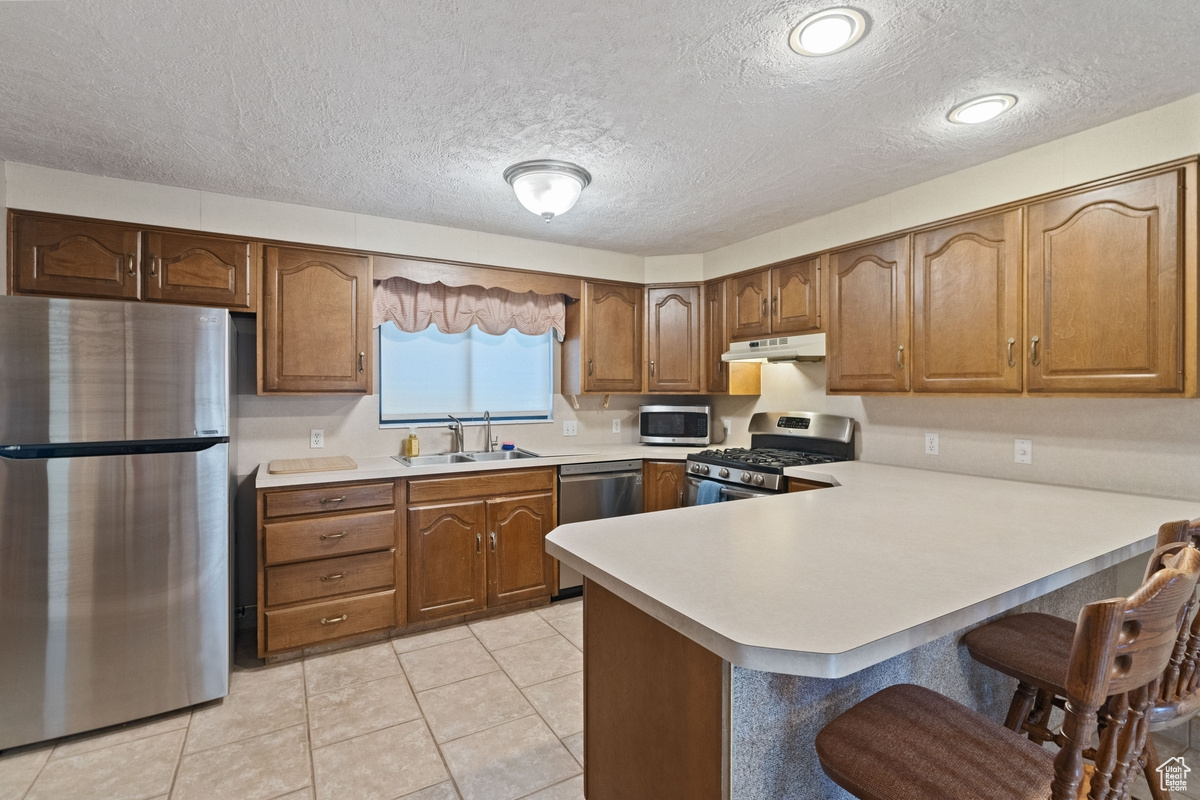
(900, 357)
(1033, 357)
(1011, 342)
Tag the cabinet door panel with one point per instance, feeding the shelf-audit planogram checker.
(518, 566)
(673, 339)
(748, 306)
(796, 297)
(716, 338)
(446, 564)
(1105, 300)
(75, 258)
(315, 322)
(663, 483)
(967, 306)
(203, 270)
(868, 344)
(613, 349)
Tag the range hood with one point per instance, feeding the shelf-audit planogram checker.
(806, 347)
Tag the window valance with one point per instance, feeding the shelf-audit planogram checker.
(413, 307)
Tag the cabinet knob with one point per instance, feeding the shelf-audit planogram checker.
(1033, 356)
(900, 357)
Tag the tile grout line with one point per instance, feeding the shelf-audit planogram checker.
(437, 746)
(312, 767)
(179, 756)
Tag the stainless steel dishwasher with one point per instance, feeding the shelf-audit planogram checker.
(595, 491)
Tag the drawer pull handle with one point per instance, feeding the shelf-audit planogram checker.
(492, 536)
(900, 357)
(362, 363)
(764, 307)
(338, 576)
(329, 620)
(775, 306)
(479, 543)
(342, 535)
(129, 264)
(325, 500)
(1011, 342)
(1033, 356)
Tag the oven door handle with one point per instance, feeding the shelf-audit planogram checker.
(731, 492)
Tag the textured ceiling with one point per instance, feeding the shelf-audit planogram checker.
(699, 126)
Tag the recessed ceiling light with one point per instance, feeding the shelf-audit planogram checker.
(828, 32)
(981, 109)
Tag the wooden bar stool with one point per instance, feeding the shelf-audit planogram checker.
(909, 743)
(1035, 649)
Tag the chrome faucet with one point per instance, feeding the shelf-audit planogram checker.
(487, 434)
(456, 443)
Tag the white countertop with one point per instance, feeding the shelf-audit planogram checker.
(828, 582)
(376, 468)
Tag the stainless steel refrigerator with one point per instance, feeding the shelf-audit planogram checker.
(114, 512)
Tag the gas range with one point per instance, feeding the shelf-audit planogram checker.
(777, 441)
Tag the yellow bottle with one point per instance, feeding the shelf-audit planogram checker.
(412, 445)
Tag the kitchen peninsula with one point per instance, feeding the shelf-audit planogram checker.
(719, 639)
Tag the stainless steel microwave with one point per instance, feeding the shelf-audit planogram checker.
(686, 425)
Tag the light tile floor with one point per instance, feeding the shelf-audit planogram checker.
(492, 710)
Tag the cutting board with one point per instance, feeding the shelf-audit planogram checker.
(286, 465)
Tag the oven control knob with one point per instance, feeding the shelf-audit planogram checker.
(745, 477)
(695, 467)
(758, 480)
(724, 473)
(704, 470)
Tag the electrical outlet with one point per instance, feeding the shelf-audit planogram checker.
(726, 424)
(616, 426)
(316, 438)
(931, 444)
(1023, 451)
(570, 428)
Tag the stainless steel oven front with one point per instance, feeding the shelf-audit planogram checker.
(728, 490)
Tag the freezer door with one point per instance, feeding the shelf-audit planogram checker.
(104, 371)
(114, 580)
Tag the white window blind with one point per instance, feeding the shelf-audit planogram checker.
(425, 376)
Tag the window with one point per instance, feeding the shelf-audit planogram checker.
(425, 376)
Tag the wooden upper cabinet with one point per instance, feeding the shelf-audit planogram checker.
(316, 321)
(716, 338)
(748, 305)
(612, 341)
(71, 257)
(518, 566)
(967, 306)
(663, 485)
(868, 347)
(1105, 278)
(673, 339)
(201, 270)
(796, 297)
(446, 568)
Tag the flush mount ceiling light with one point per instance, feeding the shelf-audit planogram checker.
(547, 188)
(828, 32)
(981, 109)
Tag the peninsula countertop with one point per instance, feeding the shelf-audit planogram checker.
(828, 582)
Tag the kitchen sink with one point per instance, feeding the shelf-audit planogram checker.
(435, 459)
(463, 458)
(503, 455)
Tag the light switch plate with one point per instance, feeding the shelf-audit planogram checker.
(316, 438)
(1023, 451)
(570, 428)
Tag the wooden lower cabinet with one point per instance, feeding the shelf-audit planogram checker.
(330, 564)
(663, 485)
(481, 545)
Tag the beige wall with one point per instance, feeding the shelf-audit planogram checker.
(4, 227)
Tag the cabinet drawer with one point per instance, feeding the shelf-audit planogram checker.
(480, 484)
(339, 497)
(303, 539)
(313, 580)
(332, 619)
